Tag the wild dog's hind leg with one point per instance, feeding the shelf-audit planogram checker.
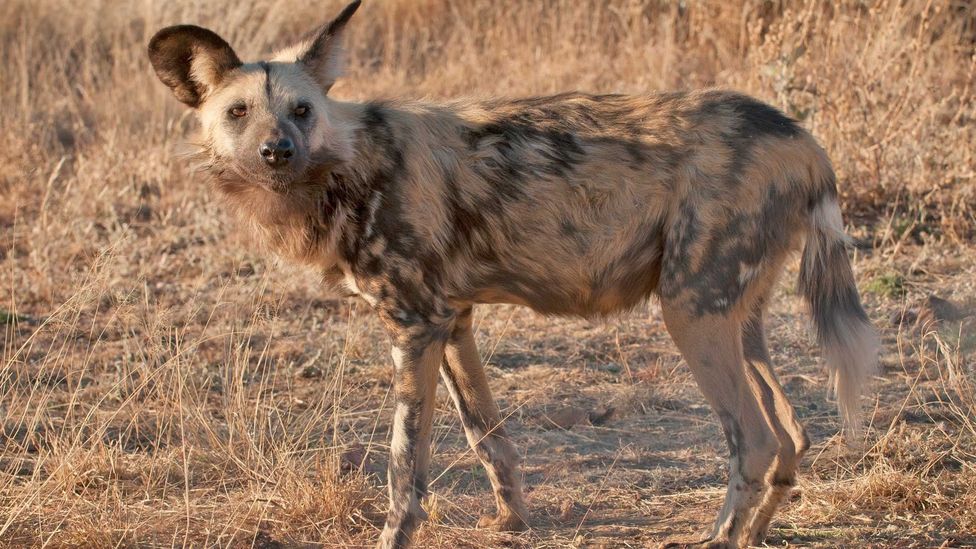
(712, 346)
(465, 379)
(781, 415)
(417, 353)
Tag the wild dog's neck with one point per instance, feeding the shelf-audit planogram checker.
(362, 182)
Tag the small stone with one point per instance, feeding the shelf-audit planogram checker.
(936, 310)
(564, 418)
(943, 310)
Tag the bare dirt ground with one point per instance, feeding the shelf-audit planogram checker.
(274, 423)
(163, 383)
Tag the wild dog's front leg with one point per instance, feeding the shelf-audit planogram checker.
(417, 354)
(465, 379)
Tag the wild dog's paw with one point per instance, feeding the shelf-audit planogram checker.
(391, 539)
(758, 537)
(503, 522)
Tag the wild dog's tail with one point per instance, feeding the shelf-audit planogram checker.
(849, 342)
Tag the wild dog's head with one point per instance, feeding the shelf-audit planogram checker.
(269, 123)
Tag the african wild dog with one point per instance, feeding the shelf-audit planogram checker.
(572, 205)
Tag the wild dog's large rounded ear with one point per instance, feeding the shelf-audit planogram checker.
(323, 53)
(191, 60)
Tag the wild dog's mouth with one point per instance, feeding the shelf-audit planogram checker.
(274, 181)
(282, 180)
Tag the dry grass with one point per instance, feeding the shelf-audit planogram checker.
(161, 384)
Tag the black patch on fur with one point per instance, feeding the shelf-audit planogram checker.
(758, 118)
(744, 238)
(503, 471)
(402, 465)
(568, 228)
(375, 123)
(679, 241)
(388, 222)
(637, 153)
(783, 482)
(403, 276)
(733, 434)
(267, 79)
(515, 139)
(469, 228)
(753, 120)
(754, 338)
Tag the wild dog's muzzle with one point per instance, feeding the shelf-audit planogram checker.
(277, 152)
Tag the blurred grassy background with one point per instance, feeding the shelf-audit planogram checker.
(136, 388)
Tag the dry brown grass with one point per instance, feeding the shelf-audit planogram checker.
(161, 384)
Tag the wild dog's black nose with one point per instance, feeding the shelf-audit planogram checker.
(277, 153)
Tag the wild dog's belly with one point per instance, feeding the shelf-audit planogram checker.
(584, 269)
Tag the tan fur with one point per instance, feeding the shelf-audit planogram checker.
(574, 204)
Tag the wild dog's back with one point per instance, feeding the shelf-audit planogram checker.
(566, 203)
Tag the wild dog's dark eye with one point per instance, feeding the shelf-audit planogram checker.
(302, 110)
(238, 111)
